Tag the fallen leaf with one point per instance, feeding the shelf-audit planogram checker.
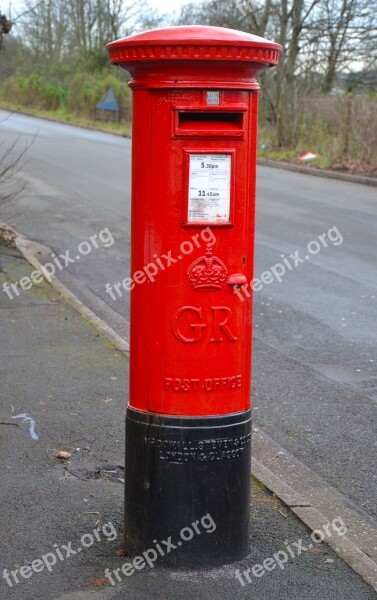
(121, 552)
(62, 454)
(101, 582)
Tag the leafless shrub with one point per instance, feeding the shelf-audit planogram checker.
(12, 159)
(363, 138)
(9, 165)
(341, 127)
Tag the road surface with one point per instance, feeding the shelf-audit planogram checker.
(315, 331)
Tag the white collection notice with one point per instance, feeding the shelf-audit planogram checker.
(209, 188)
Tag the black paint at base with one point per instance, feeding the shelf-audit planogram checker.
(181, 471)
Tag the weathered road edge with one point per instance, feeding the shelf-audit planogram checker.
(317, 172)
(30, 251)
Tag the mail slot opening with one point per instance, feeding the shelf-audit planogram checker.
(207, 122)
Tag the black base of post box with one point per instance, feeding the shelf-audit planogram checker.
(187, 488)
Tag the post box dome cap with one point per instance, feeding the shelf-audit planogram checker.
(194, 42)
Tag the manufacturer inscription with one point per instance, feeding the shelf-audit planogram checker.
(210, 450)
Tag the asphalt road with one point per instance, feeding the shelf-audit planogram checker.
(315, 357)
(57, 368)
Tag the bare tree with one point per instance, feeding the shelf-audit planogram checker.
(5, 27)
(319, 37)
(60, 29)
(343, 33)
(45, 28)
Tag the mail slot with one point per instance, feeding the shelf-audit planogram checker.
(209, 123)
(188, 423)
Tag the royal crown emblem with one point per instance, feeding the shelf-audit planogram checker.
(207, 272)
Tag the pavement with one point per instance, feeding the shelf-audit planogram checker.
(71, 381)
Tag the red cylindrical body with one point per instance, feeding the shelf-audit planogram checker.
(194, 125)
(195, 103)
(190, 332)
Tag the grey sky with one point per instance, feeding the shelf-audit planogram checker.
(167, 6)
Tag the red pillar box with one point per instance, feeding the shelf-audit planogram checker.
(188, 424)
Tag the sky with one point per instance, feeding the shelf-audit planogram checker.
(166, 6)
